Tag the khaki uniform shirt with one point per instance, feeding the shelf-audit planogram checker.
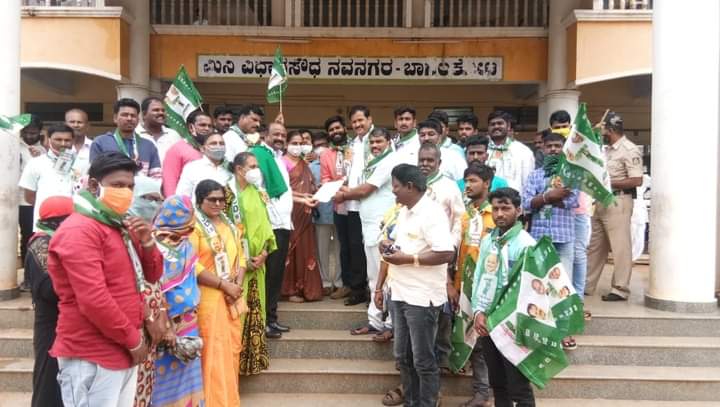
(624, 160)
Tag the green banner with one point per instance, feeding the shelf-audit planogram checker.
(180, 101)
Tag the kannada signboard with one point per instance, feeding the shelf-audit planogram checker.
(455, 68)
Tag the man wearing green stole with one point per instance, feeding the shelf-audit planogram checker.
(498, 252)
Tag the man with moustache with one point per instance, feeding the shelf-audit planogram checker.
(236, 138)
(511, 159)
(335, 164)
(453, 163)
(376, 198)
(405, 125)
(200, 126)
(77, 120)
(153, 126)
(125, 139)
(476, 154)
(467, 126)
(223, 118)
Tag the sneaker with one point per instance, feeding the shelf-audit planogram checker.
(341, 292)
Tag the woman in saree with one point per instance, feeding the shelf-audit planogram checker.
(216, 241)
(246, 208)
(178, 370)
(302, 281)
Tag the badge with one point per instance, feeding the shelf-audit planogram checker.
(222, 266)
(64, 162)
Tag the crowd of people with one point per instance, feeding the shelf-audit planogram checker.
(156, 261)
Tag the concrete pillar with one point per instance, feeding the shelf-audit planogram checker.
(684, 210)
(137, 85)
(555, 94)
(9, 149)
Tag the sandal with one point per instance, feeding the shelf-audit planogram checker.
(445, 371)
(383, 337)
(394, 397)
(587, 315)
(569, 343)
(364, 330)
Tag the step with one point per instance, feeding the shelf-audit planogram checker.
(16, 374)
(585, 381)
(373, 400)
(17, 313)
(15, 399)
(599, 350)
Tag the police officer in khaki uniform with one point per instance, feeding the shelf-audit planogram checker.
(611, 225)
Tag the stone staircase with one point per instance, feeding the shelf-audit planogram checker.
(629, 355)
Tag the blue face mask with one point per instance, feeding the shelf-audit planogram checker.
(144, 208)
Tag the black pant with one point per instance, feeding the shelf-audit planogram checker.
(353, 265)
(275, 270)
(25, 219)
(508, 384)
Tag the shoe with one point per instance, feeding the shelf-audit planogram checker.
(25, 287)
(278, 327)
(271, 333)
(296, 299)
(613, 297)
(356, 299)
(341, 292)
(327, 291)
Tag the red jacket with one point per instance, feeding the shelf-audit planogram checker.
(101, 311)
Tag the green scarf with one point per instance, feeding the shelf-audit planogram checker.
(88, 205)
(490, 283)
(272, 177)
(502, 147)
(434, 177)
(121, 145)
(402, 140)
(372, 165)
(550, 165)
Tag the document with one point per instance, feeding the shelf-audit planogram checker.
(328, 190)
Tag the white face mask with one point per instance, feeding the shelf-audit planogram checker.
(254, 177)
(320, 150)
(306, 149)
(294, 150)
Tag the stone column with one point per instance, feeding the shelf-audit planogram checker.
(684, 211)
(9, 149)
(555, 94)
(137, 85)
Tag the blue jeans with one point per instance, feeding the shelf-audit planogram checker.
(582, 239)
(87, 384)
(566, 252)
(415, 330)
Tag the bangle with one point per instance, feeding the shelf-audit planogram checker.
(378, 290)
(139, 344)
(416, 260)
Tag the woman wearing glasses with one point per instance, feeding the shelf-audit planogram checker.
(217, 243)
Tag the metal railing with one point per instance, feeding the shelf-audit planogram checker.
(63, 3)
(353, 13)
(211, 12)
(622, 4)
(486, 13)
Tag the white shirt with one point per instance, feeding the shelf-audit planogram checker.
(234, 145)
(452, 163)
(199, 170)
(445, 192)
(280, 208)
(357, 168)
(168, 138)
(515, 164)
(82, 163)
(420, 230)
(40, 176)
(25, 158)
(408, 152)
(374, 206)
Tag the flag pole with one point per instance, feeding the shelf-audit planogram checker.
(280, 99)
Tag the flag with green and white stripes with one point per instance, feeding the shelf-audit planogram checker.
(14, 124)
(182, 99)
(278, 79)
(583, 165)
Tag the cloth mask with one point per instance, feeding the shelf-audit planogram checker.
(320, 150)
(295, 150)
(215, 153)
(306, 149)
(254, 176)
(117, 199)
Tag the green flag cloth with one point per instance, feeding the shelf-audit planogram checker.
(272, 177)
(538, 309)
(583, 165)
(182, 99)
(15, 123)
(278, 79)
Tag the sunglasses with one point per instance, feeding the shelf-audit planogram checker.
(216, 201)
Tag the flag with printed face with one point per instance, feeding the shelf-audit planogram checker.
(583, 165)
(181, 99)
(278, 79)
(538, 309)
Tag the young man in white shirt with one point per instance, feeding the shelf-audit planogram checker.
(50, 174)
(376, 198)
(453, 162)
(153, 126)
(30, 147)
(418, 257)
(512, 160)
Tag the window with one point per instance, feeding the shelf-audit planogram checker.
(55, 112)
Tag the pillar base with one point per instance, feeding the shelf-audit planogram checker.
(681, 306)
(9, 294)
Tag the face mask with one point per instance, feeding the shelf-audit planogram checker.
(117, 199)
(144, 208)
(306, 149)
(215, 153)
(254, 177)
(563, 132)
(295, 151)
(320, 150)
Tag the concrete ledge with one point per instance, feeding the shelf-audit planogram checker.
(679, 306)
(9, 294)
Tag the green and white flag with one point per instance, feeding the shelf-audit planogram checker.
(182, 99)
(583, 165)
(538, 309)
(278, 79)
(14, 124)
